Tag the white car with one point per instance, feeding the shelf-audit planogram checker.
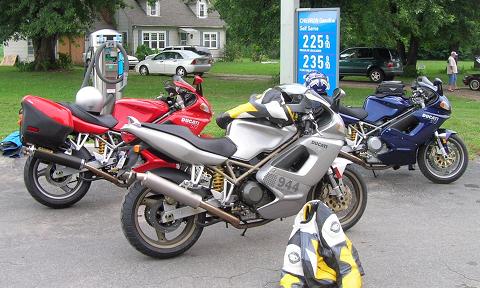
(132, 61)
(181, 63)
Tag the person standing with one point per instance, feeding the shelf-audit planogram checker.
(452, 71)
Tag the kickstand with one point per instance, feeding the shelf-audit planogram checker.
(374, 174)
(411, 167)
(226, 225)
(243, 233)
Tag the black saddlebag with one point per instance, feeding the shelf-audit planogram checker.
(395, 88)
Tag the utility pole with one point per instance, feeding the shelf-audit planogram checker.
(287, 40)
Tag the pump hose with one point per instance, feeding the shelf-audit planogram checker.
(96, 62)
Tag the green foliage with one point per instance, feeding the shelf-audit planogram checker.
(24, 66)
(143, 51)
(64, 61)
(232, 51)
(44, 21)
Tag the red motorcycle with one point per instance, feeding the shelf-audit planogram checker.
(60, 168)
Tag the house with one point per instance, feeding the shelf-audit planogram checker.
(166, 23)
(171, 22)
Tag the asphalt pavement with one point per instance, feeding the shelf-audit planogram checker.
(413, 234)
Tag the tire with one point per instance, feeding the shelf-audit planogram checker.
(359, 189)
(140, 241)
(182, 72)
(341, 77)
(41, 195)
(427, 164)
(143, 70)
(474, 84)
(376, 75)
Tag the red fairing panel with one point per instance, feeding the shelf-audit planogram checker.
(145, 110)
(81, 126)
(51, 109)
(152, 162)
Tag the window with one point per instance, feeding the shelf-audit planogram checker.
(202, 9)
(183, 38)
(154, 40)
(30, 47)
(210, 40)
(365, 53)
(153, 10)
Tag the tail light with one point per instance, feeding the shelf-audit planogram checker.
(194, 62)
(33, 129)
(390, 64)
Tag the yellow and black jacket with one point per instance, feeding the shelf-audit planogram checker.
(269, 105)
(319, 254)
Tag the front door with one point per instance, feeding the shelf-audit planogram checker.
(172, 62)
(158, 63)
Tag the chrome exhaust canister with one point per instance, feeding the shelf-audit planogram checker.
(168, 188)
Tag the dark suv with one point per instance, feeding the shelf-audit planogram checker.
(376, 63)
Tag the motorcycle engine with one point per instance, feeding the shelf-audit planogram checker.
(253, 194)
(375, 146)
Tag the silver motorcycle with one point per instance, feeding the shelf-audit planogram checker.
(259, 172)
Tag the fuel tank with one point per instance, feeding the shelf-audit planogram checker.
(145, 110)
(256, 136)
(384, 107)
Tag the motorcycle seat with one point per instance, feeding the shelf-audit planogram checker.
(220, 146)
(107, 121)
(358, 113)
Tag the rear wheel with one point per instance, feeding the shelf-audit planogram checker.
(349, 207)
(474, 84)
(376, 75)
(144, 70)
(142, 226)
(182, 72)
(55, 192)
(443, 169)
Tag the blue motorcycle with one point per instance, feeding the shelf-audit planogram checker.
(392, 130)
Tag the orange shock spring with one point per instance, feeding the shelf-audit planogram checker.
(217, 181)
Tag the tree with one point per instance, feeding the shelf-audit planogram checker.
(44, 21)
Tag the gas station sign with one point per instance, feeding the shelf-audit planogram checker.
(318, 44)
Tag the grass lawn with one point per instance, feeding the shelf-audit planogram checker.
(246, 67)
(222, 94)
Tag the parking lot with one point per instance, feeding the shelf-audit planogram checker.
(413, 234)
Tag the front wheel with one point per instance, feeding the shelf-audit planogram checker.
(42, 182)
(443, 169)
(142, 226)
(474, 84)
(349, 207)
(376, 75)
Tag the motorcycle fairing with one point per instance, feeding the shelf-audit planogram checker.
(145, 110)
(293, 173)
(404, 137)
(387, 107)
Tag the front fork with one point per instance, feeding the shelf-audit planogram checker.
(335, 176)
(442, 139)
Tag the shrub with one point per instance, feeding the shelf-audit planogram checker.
(23, 66)
(64, 62)
(257, 53)
(233, 51)
(143, 51)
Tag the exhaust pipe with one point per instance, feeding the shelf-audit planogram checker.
(165, 187)
(362, 163)
(75, 163)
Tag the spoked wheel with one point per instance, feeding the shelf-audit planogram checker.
(474, 84)
(443, 169)
(349, 207)
(144, 70)
(182, 72)
(141, 223)
(46, 185)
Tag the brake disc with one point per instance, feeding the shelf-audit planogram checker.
(334, 202)
(59, 181)
(153, 216)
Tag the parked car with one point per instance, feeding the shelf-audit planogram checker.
(472, 81)
(200, 50)
(376, 63)
(132, 60)
(181, 62)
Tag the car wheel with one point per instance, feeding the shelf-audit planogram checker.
(474, 84)
(376, 75)
(144, 71)
(182, 72)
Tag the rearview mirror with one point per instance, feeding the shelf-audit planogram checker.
(338, 94)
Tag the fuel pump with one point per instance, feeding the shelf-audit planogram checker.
(107, 68)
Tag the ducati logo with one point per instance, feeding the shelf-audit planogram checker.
(293, 257)
(190, 121)
(335, 227)
(433, 119)
(321, 145)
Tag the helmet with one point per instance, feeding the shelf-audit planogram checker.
(317, 81)
(90, 99)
